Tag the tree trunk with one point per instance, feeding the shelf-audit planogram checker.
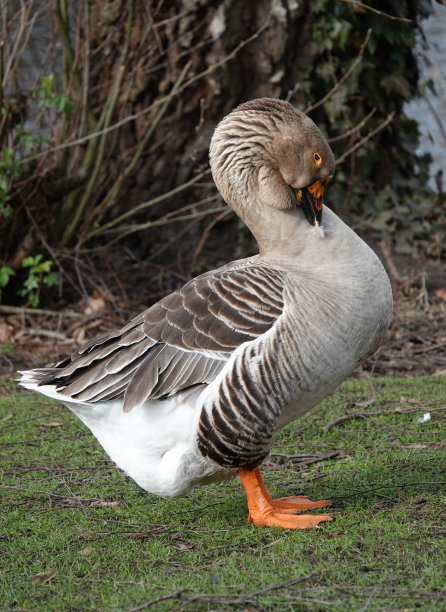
(243, 50)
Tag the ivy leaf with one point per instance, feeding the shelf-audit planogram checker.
(45, 266)
(51, 279)
(5, 274)
(31, 283)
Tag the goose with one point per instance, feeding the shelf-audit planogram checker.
(194, 389)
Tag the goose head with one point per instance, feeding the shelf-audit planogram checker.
(271, 163)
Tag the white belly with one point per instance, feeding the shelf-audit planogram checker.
(154, 443)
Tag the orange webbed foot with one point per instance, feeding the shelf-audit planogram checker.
(289, 521)
(263, 510)
(298, 502)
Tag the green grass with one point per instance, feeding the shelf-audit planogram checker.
(386, 550)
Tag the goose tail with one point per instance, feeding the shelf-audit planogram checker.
(32, 380)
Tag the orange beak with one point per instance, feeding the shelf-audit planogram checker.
(317, 191)
(311, 200)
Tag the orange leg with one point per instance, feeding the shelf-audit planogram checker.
(263, 512)
(289, 504)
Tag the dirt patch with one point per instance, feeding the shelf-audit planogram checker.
(414, 345)
(416, 342)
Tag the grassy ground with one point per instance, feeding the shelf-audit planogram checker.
(76, 534)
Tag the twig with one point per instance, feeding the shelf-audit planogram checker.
(354, 129)
(248, 597)
(152, 602)
(2, 44)
(307, 459)
(157, 102)
(131, 229)
(158, 24)
(439, 121)
(365, 415)
(344, 76)
(148, 204)
(159, 267)
(374, 10)
(97, 162)
(188, 207)
(435, 483)
(48, 334)
(361, 142)
(50, 250)
(143, 144)
(385, 249)
(206, 233)
(39, 311)
(427, 349)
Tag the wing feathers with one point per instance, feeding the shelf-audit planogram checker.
(182, 341)
(83, 377)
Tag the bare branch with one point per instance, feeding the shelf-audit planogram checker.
(354, 129)
(206, 233)
(157, 102)
(344, 76)
(365, 415)
(362, 142)
(148, 204)
(148, 604)
(374, 10)
(131, 229)
(113, 192)
(39, 311)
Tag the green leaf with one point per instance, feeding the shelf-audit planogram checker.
(51, 279)
(5, 274)
(47, 83)
(45, 266)
(34, 299)
(28, 262)
(32, 282)
(64, 104)
(7, 155)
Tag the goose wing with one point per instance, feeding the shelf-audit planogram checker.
(181, 341)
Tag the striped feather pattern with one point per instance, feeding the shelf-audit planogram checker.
(255, 343)
(294, 358)
(182, 341)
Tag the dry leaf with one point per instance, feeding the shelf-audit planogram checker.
(52, 424)
(95, 305)
(414, 446)
(186, 546)
(43, 578)
(6, 332)
(7, 417)
(79, 336)
(103, 504)
(440, 372)
(441, 293)
(86, 551)
(366, 403)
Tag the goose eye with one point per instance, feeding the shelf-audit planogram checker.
(317, 158)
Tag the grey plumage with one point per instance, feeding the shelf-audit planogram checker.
(240, 351)
(183, 340)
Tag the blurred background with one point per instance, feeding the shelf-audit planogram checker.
(107, 110)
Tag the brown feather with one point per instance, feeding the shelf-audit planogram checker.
(182, 341)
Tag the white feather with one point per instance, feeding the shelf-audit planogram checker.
(154, 444)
